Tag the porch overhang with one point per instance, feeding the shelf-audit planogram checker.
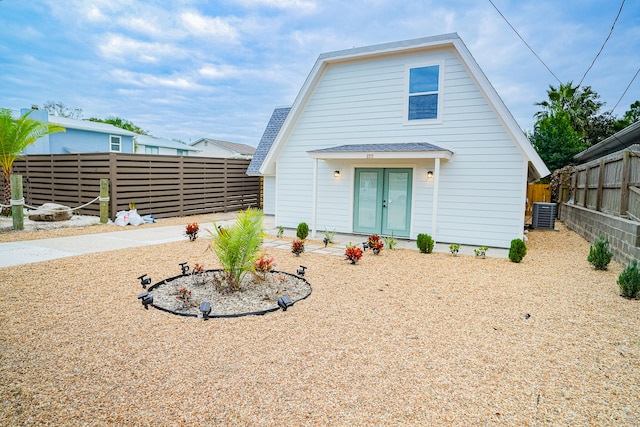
(413, 150)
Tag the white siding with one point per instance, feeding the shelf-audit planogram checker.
(212, 150)
(481, 194)
(269, 195)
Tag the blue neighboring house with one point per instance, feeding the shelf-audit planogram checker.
(81, 136)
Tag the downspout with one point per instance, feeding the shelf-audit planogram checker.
(434, 214)
(314, 199)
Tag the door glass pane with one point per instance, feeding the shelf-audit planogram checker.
(397, 201)
(367, 194)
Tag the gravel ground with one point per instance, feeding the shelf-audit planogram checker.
(402, 338)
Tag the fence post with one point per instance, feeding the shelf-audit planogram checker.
(17, 202)
(600, 185)
(624, 184)
(104, 200)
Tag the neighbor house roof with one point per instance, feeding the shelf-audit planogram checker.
(616, 142)
(387, 151)
(90, 126)
(537, 167)
(273, 127)
(155, 141)
(241, 149)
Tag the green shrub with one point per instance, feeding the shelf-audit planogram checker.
(454, 248)
(517, 251)
(390, 241)
(330, 235)
(629, 280)
(599, 253)
(481, 252)
(425, 243)
(237, 247)
(302, 231)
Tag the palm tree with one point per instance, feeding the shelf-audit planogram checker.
(15, 136)
(580, 103)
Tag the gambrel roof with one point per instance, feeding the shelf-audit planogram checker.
(266, 165)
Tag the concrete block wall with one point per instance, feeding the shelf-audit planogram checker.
(623, 234)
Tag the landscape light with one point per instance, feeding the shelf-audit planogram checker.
(365, 245)
(285, 302)
(301, 270)
(144, 282)
(146, 299)
(326, 241)
(184, 267)
(205, 309)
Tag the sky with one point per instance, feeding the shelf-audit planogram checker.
(188, 69)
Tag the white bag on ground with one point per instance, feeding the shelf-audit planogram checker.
(128, 217)
(122, 218)
(135, 218)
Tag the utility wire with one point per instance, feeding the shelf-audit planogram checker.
(523, 40)
(605, 42)
(625, 91)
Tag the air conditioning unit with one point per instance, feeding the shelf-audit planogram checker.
(544, 215)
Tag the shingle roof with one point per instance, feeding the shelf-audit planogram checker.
(374, 148)
(271, 131)
(242, 149)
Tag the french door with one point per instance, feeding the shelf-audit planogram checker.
(382, 202)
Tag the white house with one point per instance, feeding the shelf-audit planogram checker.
(404, 138)
(217, 148)
(147, 144)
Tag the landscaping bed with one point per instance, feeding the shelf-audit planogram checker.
(399, 338)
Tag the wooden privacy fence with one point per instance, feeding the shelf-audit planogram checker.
(537, 193)
(610, 185)
(161, 185)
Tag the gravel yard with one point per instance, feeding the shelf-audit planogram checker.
(402, 338)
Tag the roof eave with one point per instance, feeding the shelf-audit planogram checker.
(357, 155)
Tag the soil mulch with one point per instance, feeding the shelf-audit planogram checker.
(258, 293)
(402, 338)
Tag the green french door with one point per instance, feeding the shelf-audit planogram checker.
(382, 202)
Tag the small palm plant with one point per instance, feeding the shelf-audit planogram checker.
(237, 247)
(15, 136)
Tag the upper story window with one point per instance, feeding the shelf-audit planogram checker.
(148, 149)
(424, 88)
(115, 143)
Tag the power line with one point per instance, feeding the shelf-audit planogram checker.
(523, 40)
(605, 42)
(625, 91)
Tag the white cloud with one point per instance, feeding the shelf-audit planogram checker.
(201, 25)
(304, 5)
(119, 47)
(147, 25)
(151, 80)
(212, 71)
(94, 14)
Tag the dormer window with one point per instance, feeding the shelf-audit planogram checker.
(424, 86)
